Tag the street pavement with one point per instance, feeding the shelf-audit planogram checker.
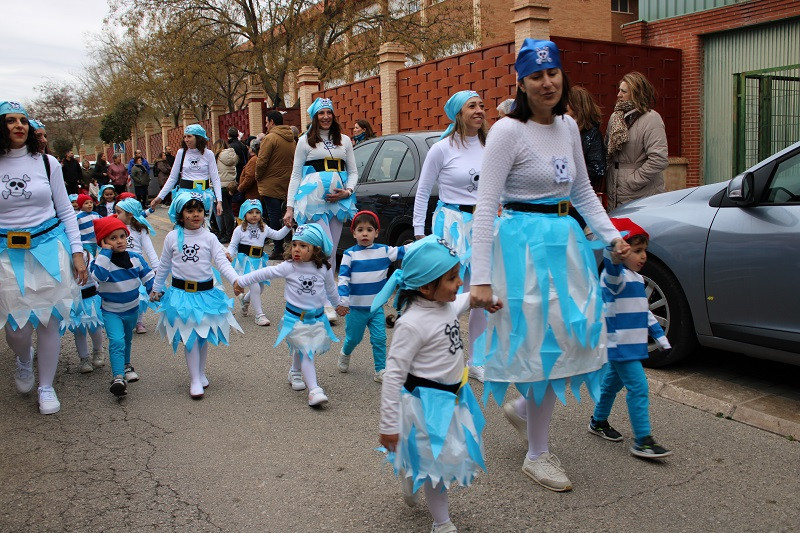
(252, 456)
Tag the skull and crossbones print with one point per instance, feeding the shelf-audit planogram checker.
(453, 331)
(307, 285)
(16, 187)
(190, 253)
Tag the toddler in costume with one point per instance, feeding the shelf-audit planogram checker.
(628, 321)
(130, 213)
(193, 311)
(86, 216)
(246, 252)
(309, 280)
(86, 318)
(431, 422)
(119, 274)
(362, 275)
(105, 204)
(73, 199)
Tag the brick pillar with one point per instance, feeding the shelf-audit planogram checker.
(635, 32)
(188, 118)
(217, 109)
(291, 89)
(81, 152)
(531, 20)
(308, 84)
(255, 97)
(148, 131)
(391, 58)
(166, 125)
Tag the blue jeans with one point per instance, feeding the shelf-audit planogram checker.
(273, 209)
(628, 374)
(119, 330)
(355, 324)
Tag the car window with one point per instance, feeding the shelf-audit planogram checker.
(432, 140)
(785, 184)
(362, 154)
(406, 170)
(388, 162)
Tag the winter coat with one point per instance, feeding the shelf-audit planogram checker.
(594, 154)
(247, 181)
(139, 175)
(161, 170)
(117, 174)
(241, 152)
(275, 160)
(226, 166)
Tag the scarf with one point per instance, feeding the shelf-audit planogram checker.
(623, 117)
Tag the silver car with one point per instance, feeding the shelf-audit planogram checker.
(723, 266)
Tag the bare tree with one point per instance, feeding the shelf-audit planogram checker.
(62, 108)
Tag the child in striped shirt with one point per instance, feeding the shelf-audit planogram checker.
(628, 321)
(86, 216)
(119, 274)
(362, 275)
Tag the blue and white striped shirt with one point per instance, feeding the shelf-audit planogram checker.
(86, 227)
(118, 286)
(628, 317)
(364, 271)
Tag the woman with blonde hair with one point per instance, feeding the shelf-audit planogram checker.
(587, 114)
(226, 166)
(637, 143)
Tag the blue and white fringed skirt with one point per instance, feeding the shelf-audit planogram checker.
(441, 437)
(38, 282)
(310, 335)
(244, 264)
(455, 226)
(144, 301)
(310, 204)
(188, 317)
(551, 330)
(86, 316)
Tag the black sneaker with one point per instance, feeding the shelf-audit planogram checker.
(649, 449)
(604, 429)
(119, 387)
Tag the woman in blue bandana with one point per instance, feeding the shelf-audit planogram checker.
(39, 246)
(535, 258)
(196, 170)
(454, 163)
(323, 177)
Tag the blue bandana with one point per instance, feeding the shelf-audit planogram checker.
(7, 107)
(453, 106)
(248, 205)
(196, 130)
(133, 207)
(314, 235)
(535, 56)
(425, 260)
(319, 103)
(182, 198)
(102, 190)
(73, 197)
(35, 124)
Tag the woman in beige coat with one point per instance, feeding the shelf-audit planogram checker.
(226, 166)
(637, 143)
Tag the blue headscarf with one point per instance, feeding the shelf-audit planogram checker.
(536, 55)
(319, 103)
(73, 197)
(35, 124)
(7, 107)
(247, 205)
(314, 235)
(453, 106)
(425, 260)
(196, 130)
(102, 190)
(181, 199)
(133, 207)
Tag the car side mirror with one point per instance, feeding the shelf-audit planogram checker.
(740, 189)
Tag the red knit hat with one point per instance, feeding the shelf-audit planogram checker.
(365, 212)
(626, 224)
(103, 227)
(82, 199)
(124, 195)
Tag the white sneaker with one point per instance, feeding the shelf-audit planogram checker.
(204, 381)
(48, 401)
(547, 471)
(245, 300)
(476, 372)
(317, 398)
(262, 320)
(196, 390)
(296, 380)
(519, 423)
(447, 527)
(379, 375)
(86, 366)
(344, 361)
(330, 313)
(98, 361)
(23, 375)
(407, 487)
(130, 374)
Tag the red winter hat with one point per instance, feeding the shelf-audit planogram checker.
(103, 227)
(124, 195)
(365, 212)
(626, 224)
(82, 199)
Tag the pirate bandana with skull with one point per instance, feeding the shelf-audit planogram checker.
(15, 187)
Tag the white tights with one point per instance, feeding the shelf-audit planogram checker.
(48, 345)
(196, 361)
(255, 299)
(438, 505)
(82, 343)
(306, 366)
(538, 417)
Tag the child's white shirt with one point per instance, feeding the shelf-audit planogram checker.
(254, 236)
(306, 285)
(194, 260)
(196, 166)
(140, 242)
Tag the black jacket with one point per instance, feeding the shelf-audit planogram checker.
(594, 153)
(241, 151)
(72, 175)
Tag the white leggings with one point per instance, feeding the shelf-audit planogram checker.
(82, 343)
(48, 345)
(309, 371)
(538, 417)
(196, 361)
(438, 504)
(255, 299)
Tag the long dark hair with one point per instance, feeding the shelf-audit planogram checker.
(32, 143)
(367, 127)
(199, 142)
(523, 112)
(318, 257)
(313, 137)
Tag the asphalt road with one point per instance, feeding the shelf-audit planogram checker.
(252, 456)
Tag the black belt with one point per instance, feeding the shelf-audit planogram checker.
(303, 314)
(561, 208)
(191, 184)
(465, 208)
(22, 239)
(252, 251)
(192, 286)
(412, 382)
(329, 164)
(88, 292)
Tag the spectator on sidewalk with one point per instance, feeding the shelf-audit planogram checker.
(117, 174)
(161, 170)
(227, 161)
(138, 153)
(100, 172)
(239, 148)
(72, 172)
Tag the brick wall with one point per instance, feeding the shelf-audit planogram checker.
(155, 145)
(685, 32)
(361, 99)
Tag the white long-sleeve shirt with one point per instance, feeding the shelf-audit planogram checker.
(140, 242)
(531, 161)
(28, 198)
(306, 285)
(254, 236)
(194, 260)
(455, 168)
(196, 166)
(323, 149)
(426, 343)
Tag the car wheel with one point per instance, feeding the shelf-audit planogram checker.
(405, 237)
(668, 304)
